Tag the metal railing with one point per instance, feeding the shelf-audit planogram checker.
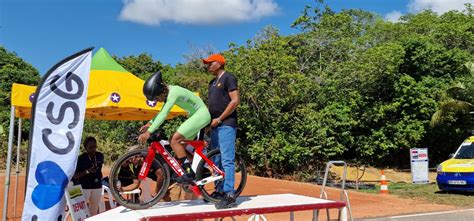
(343, 196)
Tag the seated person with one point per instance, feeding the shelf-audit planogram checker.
(129, 181)
(128, 177)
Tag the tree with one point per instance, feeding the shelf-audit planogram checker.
(459, 98)
(12, 70)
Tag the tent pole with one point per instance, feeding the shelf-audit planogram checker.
(9, 160)
(17, 167)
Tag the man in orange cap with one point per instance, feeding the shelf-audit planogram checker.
(223, 101)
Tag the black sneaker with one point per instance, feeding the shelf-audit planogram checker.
(188, 176)
(215, 195)
(227, 202)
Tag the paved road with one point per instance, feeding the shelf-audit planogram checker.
(457, 215)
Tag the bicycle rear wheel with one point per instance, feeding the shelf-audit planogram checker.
(132, 193)
(203, 171)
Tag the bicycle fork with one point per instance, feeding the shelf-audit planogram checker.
(147, 164)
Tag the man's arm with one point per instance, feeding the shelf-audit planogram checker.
(234, 102)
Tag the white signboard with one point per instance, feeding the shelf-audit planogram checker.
(419, 165)
(77, 203)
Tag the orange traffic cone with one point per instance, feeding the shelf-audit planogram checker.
(383, 184)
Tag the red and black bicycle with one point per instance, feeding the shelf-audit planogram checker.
(140, 178)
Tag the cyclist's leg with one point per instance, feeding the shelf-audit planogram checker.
(188, 130)
(176, 145)
(178, 148)
(191, 127)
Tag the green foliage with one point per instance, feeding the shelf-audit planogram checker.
(12, 70)
(426, 58)
(142, 65)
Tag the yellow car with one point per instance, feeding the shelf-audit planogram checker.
(457, 173)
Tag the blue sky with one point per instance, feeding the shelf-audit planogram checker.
(43, 32)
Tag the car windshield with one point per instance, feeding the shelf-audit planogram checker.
(466, 151)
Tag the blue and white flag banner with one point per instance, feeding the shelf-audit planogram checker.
(55, 136)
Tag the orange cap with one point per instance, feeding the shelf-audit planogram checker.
(215, 57)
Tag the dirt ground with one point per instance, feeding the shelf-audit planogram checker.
(363, 205)
(370, 174)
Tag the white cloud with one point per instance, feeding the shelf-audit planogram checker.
(393, 16)
(439, 6)
(200, 12)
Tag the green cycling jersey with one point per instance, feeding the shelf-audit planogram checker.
(198, 113)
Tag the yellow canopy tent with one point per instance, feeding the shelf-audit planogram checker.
(113, 94)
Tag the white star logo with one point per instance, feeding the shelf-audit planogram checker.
(151, 103)
(115, 97)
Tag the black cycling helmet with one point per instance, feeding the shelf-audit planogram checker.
(153, 86)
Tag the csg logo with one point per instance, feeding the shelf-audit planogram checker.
(51, 179)
(56, 130)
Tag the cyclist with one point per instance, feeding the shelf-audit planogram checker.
(155, 89)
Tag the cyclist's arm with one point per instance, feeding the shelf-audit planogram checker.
(161, 117)
(132, 186)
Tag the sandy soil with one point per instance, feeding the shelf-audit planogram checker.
(363, 204)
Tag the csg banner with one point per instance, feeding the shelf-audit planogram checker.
(55, 136)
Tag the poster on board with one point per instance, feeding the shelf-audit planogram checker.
(419, 165)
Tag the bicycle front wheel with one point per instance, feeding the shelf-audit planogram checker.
(133, 193)
(204, 170)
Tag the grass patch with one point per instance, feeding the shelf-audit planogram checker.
(428, 192)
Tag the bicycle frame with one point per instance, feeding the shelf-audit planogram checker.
(199, 146)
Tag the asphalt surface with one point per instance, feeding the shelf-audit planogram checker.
(455, 215)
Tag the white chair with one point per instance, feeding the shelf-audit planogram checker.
(112, 203)
(144, 192)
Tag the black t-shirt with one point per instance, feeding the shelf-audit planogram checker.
(128, 173)
(85, 162)
(219, 97)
